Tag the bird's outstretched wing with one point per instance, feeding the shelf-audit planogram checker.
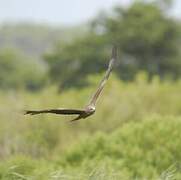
(56, 111)
(105, 78)
(82, 112)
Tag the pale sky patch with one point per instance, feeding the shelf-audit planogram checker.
(60, 12)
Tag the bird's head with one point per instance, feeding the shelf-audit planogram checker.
(90, 109)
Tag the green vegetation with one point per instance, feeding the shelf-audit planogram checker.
(148, 40)
(16, 71)
(135, 150)
(147, 37)
(134, 133)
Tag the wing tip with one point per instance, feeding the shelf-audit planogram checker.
(27, 112)
(114, 51)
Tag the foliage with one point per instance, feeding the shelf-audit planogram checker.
(17, 71)
(134, 132)
(78, 59)
(22, 46)
(148, 39)
(143, 149)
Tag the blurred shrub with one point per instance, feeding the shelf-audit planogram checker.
(70, 62)
(18, 71)
(144, 149)
(148, 149)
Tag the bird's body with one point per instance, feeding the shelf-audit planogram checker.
(91, 107)
(88, 111)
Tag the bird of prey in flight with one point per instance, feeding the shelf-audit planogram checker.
(91, 107)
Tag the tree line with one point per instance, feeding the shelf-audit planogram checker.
(147, 38)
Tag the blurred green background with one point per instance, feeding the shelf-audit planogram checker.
(136, 130)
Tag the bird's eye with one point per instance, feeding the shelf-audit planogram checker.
(92, 108)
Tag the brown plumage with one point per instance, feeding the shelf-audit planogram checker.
(91, 107)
